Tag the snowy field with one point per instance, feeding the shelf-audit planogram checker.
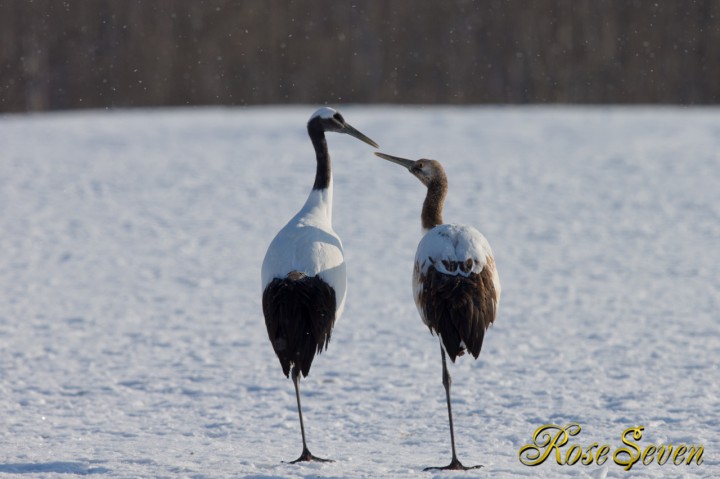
(132, 342)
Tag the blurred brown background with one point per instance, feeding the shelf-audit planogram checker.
(57, 54)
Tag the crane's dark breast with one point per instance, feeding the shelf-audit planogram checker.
(459, 308)
(299, 314)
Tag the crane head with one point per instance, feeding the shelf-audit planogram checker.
(423, 169)
(329, 119)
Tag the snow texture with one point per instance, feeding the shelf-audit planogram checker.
(132, 341)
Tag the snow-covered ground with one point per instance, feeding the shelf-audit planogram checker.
(132, 342)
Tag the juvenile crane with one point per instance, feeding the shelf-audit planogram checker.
(303, 273)
(455, 283)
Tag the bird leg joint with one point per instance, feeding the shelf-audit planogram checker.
(447, 380)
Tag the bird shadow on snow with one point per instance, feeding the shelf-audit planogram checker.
(78, 468)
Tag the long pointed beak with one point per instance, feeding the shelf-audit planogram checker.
(395, 159)
(353, 132)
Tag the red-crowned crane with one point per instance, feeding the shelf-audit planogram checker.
(455, 283)
(303, 273)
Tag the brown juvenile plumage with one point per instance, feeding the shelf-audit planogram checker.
(458, 308)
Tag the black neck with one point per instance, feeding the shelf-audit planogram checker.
(323, 174)
(433, 205)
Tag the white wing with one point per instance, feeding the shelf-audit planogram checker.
(453, 243)
(454, 250)
(309, 245)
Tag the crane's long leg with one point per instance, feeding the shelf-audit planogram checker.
(306, 455)
(455, 464)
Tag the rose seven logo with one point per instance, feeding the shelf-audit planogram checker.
(553, 438)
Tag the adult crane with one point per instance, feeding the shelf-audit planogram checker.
(455, 283)
(303, 273)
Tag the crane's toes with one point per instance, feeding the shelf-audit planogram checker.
(454, 465)
(307, 456)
